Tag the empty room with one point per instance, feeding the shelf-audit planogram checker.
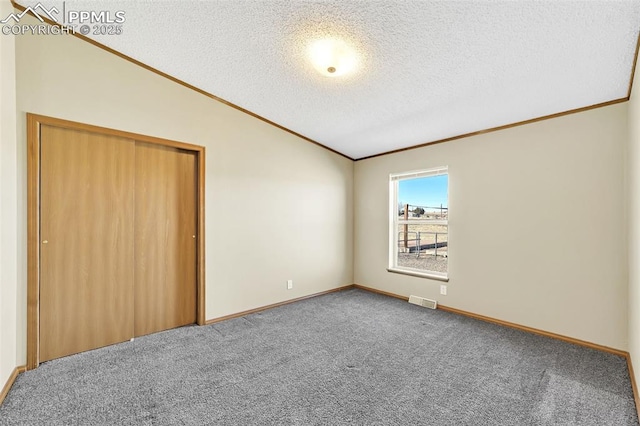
(276, 212)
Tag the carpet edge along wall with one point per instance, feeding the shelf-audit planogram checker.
(10, 381)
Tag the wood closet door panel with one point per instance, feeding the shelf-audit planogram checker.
(165, 244)
(87, 219)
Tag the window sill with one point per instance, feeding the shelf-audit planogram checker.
(419, 274)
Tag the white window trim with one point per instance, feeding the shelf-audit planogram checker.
(394, 178)
(436, 171)
(420, 273)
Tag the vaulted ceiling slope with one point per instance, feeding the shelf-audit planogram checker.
(426, 71)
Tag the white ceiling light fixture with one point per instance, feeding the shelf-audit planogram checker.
(333, 57)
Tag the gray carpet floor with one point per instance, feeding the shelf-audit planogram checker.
(344, 358)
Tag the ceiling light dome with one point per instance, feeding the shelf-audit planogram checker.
(332, 57)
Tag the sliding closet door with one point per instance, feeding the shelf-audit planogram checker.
(87, 258)
(165, 243)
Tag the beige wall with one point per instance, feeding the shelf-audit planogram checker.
(8, 208)
(537, 232)
(277, 207)
(633, 220)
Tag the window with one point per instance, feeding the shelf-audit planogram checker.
(419, 223)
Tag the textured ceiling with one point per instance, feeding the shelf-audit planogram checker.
(428, 70)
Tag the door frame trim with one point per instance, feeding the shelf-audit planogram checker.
(34, 122)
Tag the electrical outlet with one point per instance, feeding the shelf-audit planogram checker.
(443, 290)
(289, 284)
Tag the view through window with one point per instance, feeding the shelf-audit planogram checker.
(419, 229)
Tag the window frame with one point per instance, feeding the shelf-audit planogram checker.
(395, 221)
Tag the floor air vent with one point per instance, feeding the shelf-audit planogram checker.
(421, 301)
